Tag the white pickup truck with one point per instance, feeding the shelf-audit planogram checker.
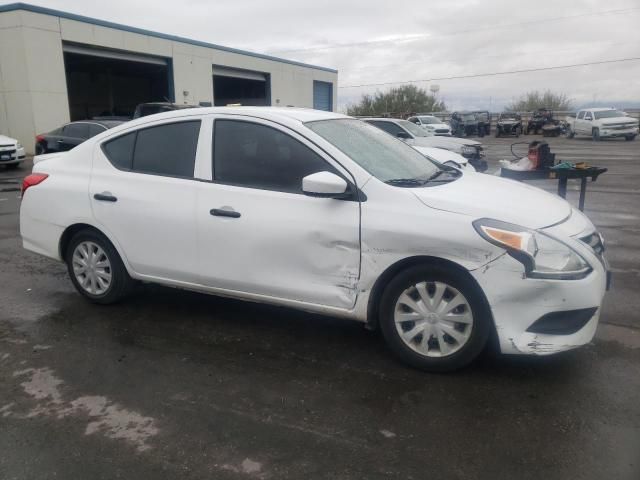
(602, 123)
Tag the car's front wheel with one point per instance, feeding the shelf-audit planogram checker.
(434, 318)
(96, 269)
(630, 138)
(596, 134)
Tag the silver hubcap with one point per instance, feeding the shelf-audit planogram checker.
(91, 268)
(433, 319)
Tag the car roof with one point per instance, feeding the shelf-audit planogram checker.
(599, 109)
(382, 119)
(104, 123)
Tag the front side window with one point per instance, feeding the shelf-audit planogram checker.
(168, 149)
(412, 129)
(257, 156)
(382, 156)
(581, 115)
(388, 127)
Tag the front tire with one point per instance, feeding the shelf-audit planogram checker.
(630, 138)
(570, 133)
(596, 134)
(96, 269)
(434, 318)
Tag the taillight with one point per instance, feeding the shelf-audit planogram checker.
(39, 138)
(33, 179)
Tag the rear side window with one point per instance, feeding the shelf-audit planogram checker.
(388, 127)
(76, 130)
(168, 149)
(120, 151)
(256, 156)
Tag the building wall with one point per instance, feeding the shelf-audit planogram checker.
(33, 90)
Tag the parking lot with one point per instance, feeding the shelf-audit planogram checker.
(173, 384)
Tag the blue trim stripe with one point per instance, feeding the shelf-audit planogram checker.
(94, 21)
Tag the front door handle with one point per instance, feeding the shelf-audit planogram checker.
(223, 212)
(105, 197)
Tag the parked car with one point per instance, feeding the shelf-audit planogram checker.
(71, 135)
(11, 152)
(601, 123)
(416, 136)
(465, 124)
(151, 108)
(446, 157)
(432, 125)
(321, 212)
(509, 123)
(484, 121)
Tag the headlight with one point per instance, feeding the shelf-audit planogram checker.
(18, 146)
(542, 255)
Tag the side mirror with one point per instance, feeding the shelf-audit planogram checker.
(403, 135)
(325, 185)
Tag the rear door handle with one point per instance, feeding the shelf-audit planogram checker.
(223, 212)
(105, 197)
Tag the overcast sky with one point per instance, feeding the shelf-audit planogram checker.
(413, 40)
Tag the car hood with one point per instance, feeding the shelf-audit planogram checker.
(441, 155)
(617, 120)
(438, 125)
(6, 140)
(448, 143)
(486, 196)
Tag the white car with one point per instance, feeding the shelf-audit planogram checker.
(11, 152)
(417, 137)
(325, 213)
(432, 125)
(446, 157)
(602, 123)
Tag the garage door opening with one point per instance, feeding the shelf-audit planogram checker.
(106, 83)
(235, 86)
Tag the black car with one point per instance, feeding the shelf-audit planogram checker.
(71, 135)
(151, 108)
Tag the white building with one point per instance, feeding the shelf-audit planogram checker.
(57, 67)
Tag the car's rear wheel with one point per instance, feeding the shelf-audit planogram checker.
(570, 133)
(434, 318)
(96, 269)
(40, 149)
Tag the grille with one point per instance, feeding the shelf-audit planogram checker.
(442, 130)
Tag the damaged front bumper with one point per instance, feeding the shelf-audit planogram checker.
(539, 316)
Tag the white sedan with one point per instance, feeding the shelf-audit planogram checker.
(11, 152)
(324, 213)
(432, 125)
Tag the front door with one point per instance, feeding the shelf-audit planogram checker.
(259, 234)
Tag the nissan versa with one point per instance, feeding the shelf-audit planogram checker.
(324, 213)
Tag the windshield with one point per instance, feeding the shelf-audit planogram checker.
(412, 128)
(608, 114)
(468, 116)
(383, 156)
(429, 120)
(482, 116)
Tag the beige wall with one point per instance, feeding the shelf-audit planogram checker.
(33, 92)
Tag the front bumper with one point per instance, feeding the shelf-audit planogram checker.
(617, 132)
(10, 155)
(517, 303)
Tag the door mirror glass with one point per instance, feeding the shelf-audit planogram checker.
(324, 184)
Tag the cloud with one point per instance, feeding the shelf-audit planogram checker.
(407, 40)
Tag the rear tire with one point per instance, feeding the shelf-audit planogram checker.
(13, 166)
(40, 149)
(451, 344)
(596, 134)
(96, 269)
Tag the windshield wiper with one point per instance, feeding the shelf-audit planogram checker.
(410, 182)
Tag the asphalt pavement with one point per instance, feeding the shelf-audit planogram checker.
(173, 384)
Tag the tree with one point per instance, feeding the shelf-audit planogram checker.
(534, 100)
(404, 99)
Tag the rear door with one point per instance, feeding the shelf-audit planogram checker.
(143, 194)
(258, 233)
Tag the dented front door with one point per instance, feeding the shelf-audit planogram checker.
(279, 244)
